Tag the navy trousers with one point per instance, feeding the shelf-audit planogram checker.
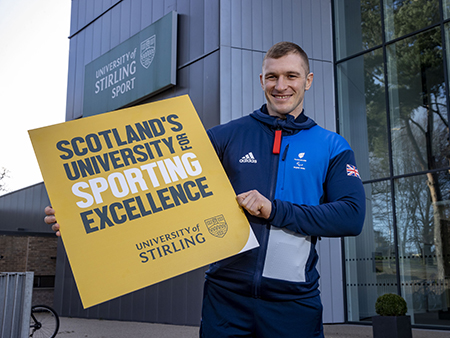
(226, 314)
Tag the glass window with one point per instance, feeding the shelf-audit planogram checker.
(362, 112)
(418, 109)
(370, 257)
(446, 6)
(358, 26)
(402, 17)
(393, 110)
(447, 42)
(423, 220)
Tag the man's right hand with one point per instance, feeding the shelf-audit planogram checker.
(51, 219)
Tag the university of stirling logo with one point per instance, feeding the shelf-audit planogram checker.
(217, 226)
(148, 49)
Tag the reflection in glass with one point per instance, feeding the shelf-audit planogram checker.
(403, 17)
(362, 112)
(447, 41)
(358, 26)
(416, 160)
(423, 221)
(419, 123)
(446, 6)
(370, 257)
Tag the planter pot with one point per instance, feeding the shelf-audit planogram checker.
(391, 327)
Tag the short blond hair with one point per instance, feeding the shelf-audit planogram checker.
(284, 48)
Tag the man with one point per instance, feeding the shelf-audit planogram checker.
(297, 182)
(298, 186)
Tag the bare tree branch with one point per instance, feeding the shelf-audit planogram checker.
(4, 173)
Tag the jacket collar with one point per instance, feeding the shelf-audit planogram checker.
(289, 125)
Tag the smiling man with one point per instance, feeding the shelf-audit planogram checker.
(291, 177)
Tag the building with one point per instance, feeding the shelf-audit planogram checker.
(381, 80)
(26, 244)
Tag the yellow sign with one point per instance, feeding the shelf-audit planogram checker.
(140, 196)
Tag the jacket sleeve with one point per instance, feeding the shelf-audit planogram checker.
(214, 142)
(342, 209)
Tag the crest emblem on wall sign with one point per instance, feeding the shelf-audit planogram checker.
(217, 226)
(148, 49)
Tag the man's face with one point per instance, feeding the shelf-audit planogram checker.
(284, 81)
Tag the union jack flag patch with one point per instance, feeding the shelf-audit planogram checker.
(352, 171)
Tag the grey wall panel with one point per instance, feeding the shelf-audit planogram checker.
(210, 111)
(278, 21)
(335, 271)
(247, 80)
(110, 32)
(327, 31)
(258, 93)
(74, 16)
(316, 30)
(81, 17)
(198, 29)
(123, 12)
(331, 280)
(256, 25)
(78, 76)
(287, 18)
(91, 46)
(236, 83)
(305, 28)
(319, 100)
(146, 13)
(158, 10)
(225, 24)
(211, 26)
(135, 17)
(94, 45)
(85, 11)
(240, 87)
(329, 96)
(90, 11)
(236, 22)
(100, 7)
(70, 97)
(267, 25)
(22, 211)
(184, 22)
(313, 98)
(195, 73)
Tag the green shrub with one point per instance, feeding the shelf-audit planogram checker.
(391, 304)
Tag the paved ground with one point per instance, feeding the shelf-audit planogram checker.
(92, 328)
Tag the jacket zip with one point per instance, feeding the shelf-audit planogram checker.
(282, 167)
(265, 235)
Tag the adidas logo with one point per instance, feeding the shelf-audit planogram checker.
(249, 158)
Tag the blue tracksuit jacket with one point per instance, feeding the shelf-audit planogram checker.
(315, 189)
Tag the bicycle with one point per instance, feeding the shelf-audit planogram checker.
(44, 322)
